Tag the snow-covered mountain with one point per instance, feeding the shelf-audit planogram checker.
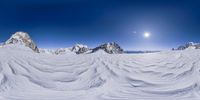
(22, 38)
(77, 49)
(111, 48)
(189, 45)
(80, 48)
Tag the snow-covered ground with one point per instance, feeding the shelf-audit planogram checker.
(167, 75)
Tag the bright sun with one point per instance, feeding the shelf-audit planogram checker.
(146, 34)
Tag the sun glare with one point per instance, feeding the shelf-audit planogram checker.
(146, 35)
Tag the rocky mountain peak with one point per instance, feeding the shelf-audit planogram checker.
(80, 48)
(22, 38)
(111, 48)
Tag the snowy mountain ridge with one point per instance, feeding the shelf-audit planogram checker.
(22, 38)
(77, 49)
(189, 45)
(111, 48)
(80, 48)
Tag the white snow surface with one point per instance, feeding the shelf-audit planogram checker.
(167, 75)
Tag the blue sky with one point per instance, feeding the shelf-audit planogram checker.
(62, 23)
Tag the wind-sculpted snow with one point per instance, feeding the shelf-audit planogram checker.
(25, 75)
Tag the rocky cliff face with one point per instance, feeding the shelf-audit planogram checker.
(111, 48)
(22, 38)
(80, 48)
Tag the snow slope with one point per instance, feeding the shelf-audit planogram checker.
(169, 75)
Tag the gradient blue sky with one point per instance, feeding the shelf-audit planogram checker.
(62, 23)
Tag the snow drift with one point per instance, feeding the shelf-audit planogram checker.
(26, 75)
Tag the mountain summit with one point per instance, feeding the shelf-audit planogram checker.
(111, 48)
(22, 38)
(80, 48)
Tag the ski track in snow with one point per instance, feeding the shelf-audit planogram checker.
(174, 75)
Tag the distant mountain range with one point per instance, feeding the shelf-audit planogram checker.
(23, 38)
(189, 45)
